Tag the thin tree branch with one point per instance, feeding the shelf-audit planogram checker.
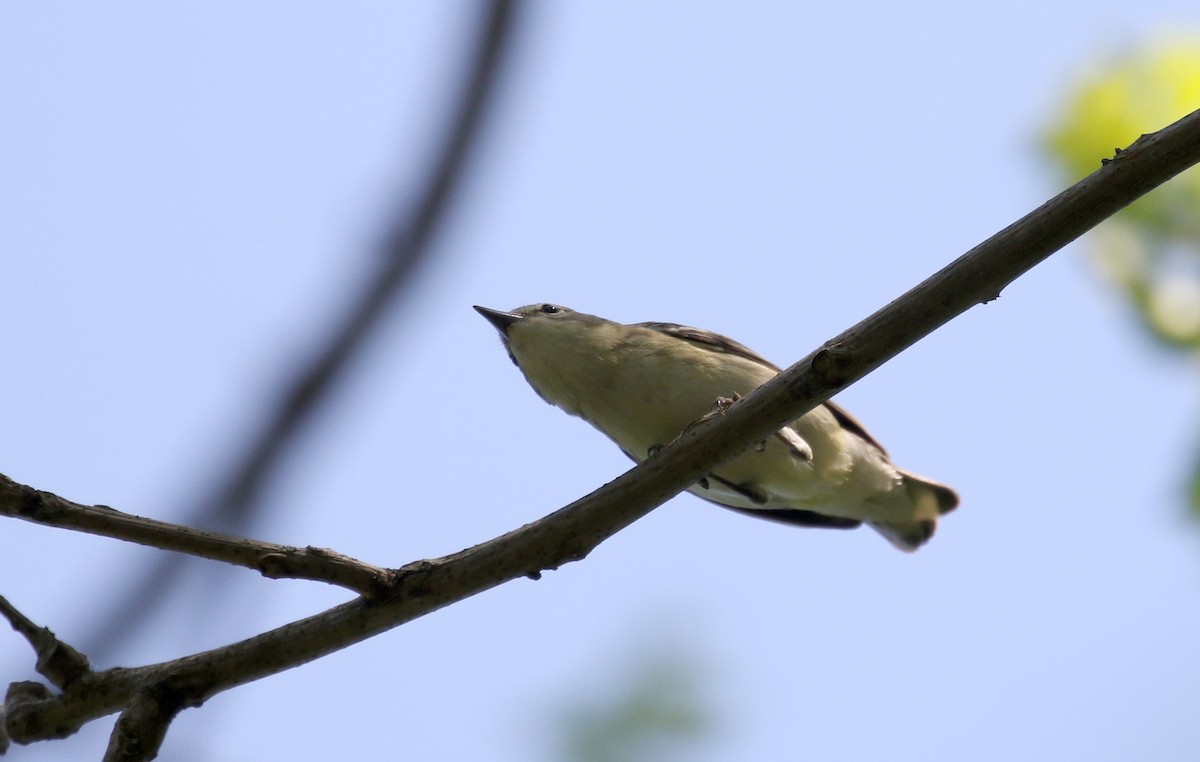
(572, 532)
(267, 558)
(406, 246)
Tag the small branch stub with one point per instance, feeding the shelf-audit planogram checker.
(57, 661)
(141, 728)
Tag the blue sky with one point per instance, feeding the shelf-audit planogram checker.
(187, 190)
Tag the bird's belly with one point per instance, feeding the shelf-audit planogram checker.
(769, 475)
(652, 417)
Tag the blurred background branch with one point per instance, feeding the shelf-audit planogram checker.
(234, 499)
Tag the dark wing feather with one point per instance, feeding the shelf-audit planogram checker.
(710, 340)
(794, 516)
(851, 424)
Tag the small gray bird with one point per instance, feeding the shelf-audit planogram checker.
(643, 384)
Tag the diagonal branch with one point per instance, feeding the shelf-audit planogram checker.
(572, 532)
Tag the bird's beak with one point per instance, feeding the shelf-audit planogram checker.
(502, 320)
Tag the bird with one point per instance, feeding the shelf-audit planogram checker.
(642, 384)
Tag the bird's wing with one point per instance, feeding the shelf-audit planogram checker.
(718, 343)
(710, 340)
(851, 424)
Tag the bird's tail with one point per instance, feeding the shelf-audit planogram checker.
(927, 501)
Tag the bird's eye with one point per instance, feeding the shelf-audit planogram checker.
(550, 309)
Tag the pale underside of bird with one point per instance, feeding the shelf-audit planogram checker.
(643, 384)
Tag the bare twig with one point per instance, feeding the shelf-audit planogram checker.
(269, 559)
(572, 532)
(235, 497)
(56, 661)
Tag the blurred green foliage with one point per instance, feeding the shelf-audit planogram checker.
(1151, 250)
(659, 711)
